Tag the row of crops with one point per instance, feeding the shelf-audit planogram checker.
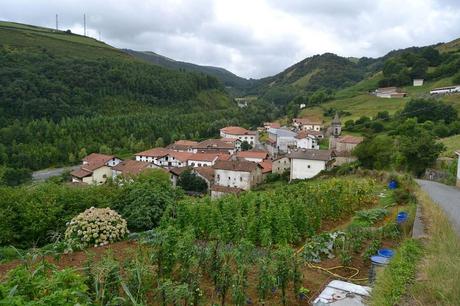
(287, 214)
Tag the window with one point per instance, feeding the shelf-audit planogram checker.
(308, 166)
(218, 177)
(229, 178)
(241, 179)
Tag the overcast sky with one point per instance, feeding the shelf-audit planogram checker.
(252, 38)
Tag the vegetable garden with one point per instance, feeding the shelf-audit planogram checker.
(260, 248)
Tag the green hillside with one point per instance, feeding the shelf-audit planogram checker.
(65, 95)
(229, 79)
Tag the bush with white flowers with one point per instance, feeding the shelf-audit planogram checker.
(96, 227)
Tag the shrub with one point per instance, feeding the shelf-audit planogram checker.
(96, 226)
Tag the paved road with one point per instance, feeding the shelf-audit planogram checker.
(42, 175)
(447, 197)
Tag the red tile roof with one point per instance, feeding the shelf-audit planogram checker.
(81, 173)
(209, 157)
(131, 167)
(252, 154)
(182, 156)
(230, 139)
(266, 166)
(233, 165)
(178, 170)
(155, 152)
(236, 130)
(215, 144)
(97, 158)
(274, 125)
(206, 172)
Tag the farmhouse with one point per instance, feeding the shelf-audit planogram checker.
(175, 173)
(252, 156)
(239, 133)
(307, 124)
(458, 168)
(204, 159)
(206, 173)
(152, 156)
(129, 168)
(389, 92)
(271, 125)
(95, 169)
(216, 146)
(304, 140)
(309, 163)
(281, 164)
(280, 140)
(174, 159)
(445, 90)
(242, 175)
(182, 146)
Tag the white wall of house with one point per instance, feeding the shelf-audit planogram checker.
(307, 143)
(99, 176)
(201, 163)
(238, 179)
(251, 139)
(282, 143)
(311, 127)
(304, 168)
(170, 161)
(148, 159)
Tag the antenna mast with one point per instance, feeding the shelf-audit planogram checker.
(57, 23)
(84, 23)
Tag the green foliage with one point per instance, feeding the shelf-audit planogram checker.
(370, 217)
(245, 146)
(321, 246)
(43, 285)
(429, 110)
(287, 214)
(376, 153)
(392, 283)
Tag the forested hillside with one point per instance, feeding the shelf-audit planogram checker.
(229, 79)
(64, 95)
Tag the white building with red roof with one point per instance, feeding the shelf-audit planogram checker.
(239, 133)
(252, 156)
(96, 168)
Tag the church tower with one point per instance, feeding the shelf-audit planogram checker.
(336, 130)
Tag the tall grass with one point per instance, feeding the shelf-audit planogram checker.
(438, 282)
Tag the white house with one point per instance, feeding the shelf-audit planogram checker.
(307, 124)
(152, 156)
(418, 82)
(309, 163)
(458, 168)
(235, 176)
(304, 140)
(252, 156)
(239, 133)
(445, 90)
(280, 140)
(174, 159)
(204, 159)
(95, 169)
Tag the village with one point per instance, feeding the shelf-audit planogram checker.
(238, 160)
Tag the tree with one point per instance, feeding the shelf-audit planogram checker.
(429, 109)
(191, 182)
(245, 146)
(376, 153)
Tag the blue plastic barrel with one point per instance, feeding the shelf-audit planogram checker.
(392, 184)
(401, 217)
(387, 253)
(377, 263)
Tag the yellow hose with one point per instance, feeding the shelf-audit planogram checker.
(329, 270)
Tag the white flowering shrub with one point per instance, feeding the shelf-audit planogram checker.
(96, 227)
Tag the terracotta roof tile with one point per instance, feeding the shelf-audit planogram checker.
(131, 167)
(178, 170)
(350, 139)
(215, 144)
(209, 157)
(226, 189)
(182, 145)
(236, 130)
(252, 154)
(155, 152)
(182, 156)
(206, 172)
(81, 173)
(266, 166)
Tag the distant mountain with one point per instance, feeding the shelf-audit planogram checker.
(227, 78)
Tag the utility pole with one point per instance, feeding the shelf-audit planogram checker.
(57, 23)
(84, 23)
(100, 37)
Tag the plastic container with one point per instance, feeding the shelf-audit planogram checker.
(401, 217)
(392, 184)
(378, 263)
(387, 253)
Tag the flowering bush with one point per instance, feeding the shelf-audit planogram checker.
(96, 226)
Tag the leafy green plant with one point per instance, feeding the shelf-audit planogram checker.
(321, 245)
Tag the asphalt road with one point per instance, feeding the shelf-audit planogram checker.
(42, 175)
(447, 197)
